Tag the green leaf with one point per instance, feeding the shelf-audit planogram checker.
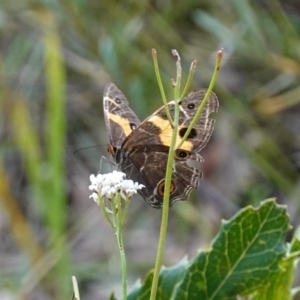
(279, 285)
(167, 278)
(141, 292)
(295, 245)
(246, 253)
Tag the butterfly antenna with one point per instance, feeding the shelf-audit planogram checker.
(76, 151)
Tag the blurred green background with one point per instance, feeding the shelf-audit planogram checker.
(56, 57)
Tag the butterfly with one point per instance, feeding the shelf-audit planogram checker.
(140, 149)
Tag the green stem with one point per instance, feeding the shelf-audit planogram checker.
(168, 178)
(103, 207)
(165, 209)
(118, 223)
(125, 211)
(189, 80)
(178, 75)
(166, 201)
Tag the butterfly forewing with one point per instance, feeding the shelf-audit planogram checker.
(156, 129)
(120, 119)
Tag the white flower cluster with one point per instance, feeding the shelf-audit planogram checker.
(107, 185)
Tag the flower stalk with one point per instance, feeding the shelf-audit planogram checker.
(168, 179)
(118, 224)
(113, 188)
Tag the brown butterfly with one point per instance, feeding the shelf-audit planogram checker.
(141, 149)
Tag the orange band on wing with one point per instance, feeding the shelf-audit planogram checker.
(166, 133)
(124, 123)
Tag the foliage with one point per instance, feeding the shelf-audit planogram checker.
(247, 257)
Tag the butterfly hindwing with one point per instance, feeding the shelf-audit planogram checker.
(147, 165)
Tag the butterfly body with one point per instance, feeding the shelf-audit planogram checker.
(141, 149)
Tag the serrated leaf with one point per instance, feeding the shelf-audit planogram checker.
(246, 252)
(141, 292)
(279, 285)
(295, 245)
(167, 279)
